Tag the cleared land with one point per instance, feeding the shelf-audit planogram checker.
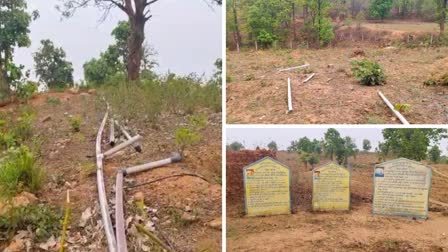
(69, 162)
(356, 230)
(405, 26)
(257, 92)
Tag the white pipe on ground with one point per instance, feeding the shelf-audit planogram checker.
(107, 222)
(112, 133)
(176, 157)
(122, 145)
(289, 96)
(292, 68)
(401, 117)
(119, 214)
(136, 146)
(309, 78)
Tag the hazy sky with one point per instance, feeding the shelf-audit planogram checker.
(251, 138)
(185, 34)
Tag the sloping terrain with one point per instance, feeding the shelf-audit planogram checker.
(356, 230)
(185, 211)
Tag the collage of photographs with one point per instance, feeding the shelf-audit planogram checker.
(213, 126)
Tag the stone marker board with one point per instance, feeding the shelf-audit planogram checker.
(267, 188)
(401, 187)
(331, 188)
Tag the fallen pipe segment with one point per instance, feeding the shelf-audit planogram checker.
(122, 145)
(401, 117)
(289, 96)
(119, 208)
(292, 68)
(175, 157)
(309, 78)
(112, 133)
(136, 146)
(119, 214)
(107, 222)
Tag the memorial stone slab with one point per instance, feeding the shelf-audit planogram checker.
(331, 188)
(401, 187)
(267, 188)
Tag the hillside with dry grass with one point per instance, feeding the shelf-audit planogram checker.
(183, 211)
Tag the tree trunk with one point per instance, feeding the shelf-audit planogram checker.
(237, 29)
(135, 43)
(443, 17)
(5, 90)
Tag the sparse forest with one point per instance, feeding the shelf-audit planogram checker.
(317, 23)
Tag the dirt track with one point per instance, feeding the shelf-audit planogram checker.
(257, 92)
(357, 230)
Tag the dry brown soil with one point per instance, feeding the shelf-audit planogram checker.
(73, 167)
(356, 230)
(257, 92)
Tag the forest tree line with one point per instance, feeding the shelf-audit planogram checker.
(265, 23)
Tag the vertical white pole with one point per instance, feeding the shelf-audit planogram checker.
(289, 96)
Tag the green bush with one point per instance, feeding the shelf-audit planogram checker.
(7, 140)
(15, 132)
(133, 101)
(186, 137)
(442, 81)
(19, 171)
(26, 91)
(368, 72)
(198, 122)
(75, 123)
(53, 100)
(23, 127)
(266, 39)
(41, 219)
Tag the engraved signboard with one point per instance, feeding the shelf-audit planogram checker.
(267, 188)
(331, 188)
(401, 187)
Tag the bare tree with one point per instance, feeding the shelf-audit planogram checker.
(138, 12)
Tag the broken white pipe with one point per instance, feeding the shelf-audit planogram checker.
(175, 157)
(122, 145)
(112, 133)
(107, 222)
(136, 146)
(292, 68)
(309, 78)
(400, 116)
(119, 214)
(289, 96)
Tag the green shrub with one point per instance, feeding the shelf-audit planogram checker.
(368, 72)
(23, 127)
(442, 81)
(186, 137)
(53, 100)
(41, 219)
(198, 122)
(26, 91)
(19, 171)
(7, 140)
(402, 107)
(75, 123)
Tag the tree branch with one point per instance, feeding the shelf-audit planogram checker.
(119, 5)
(150, 2)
